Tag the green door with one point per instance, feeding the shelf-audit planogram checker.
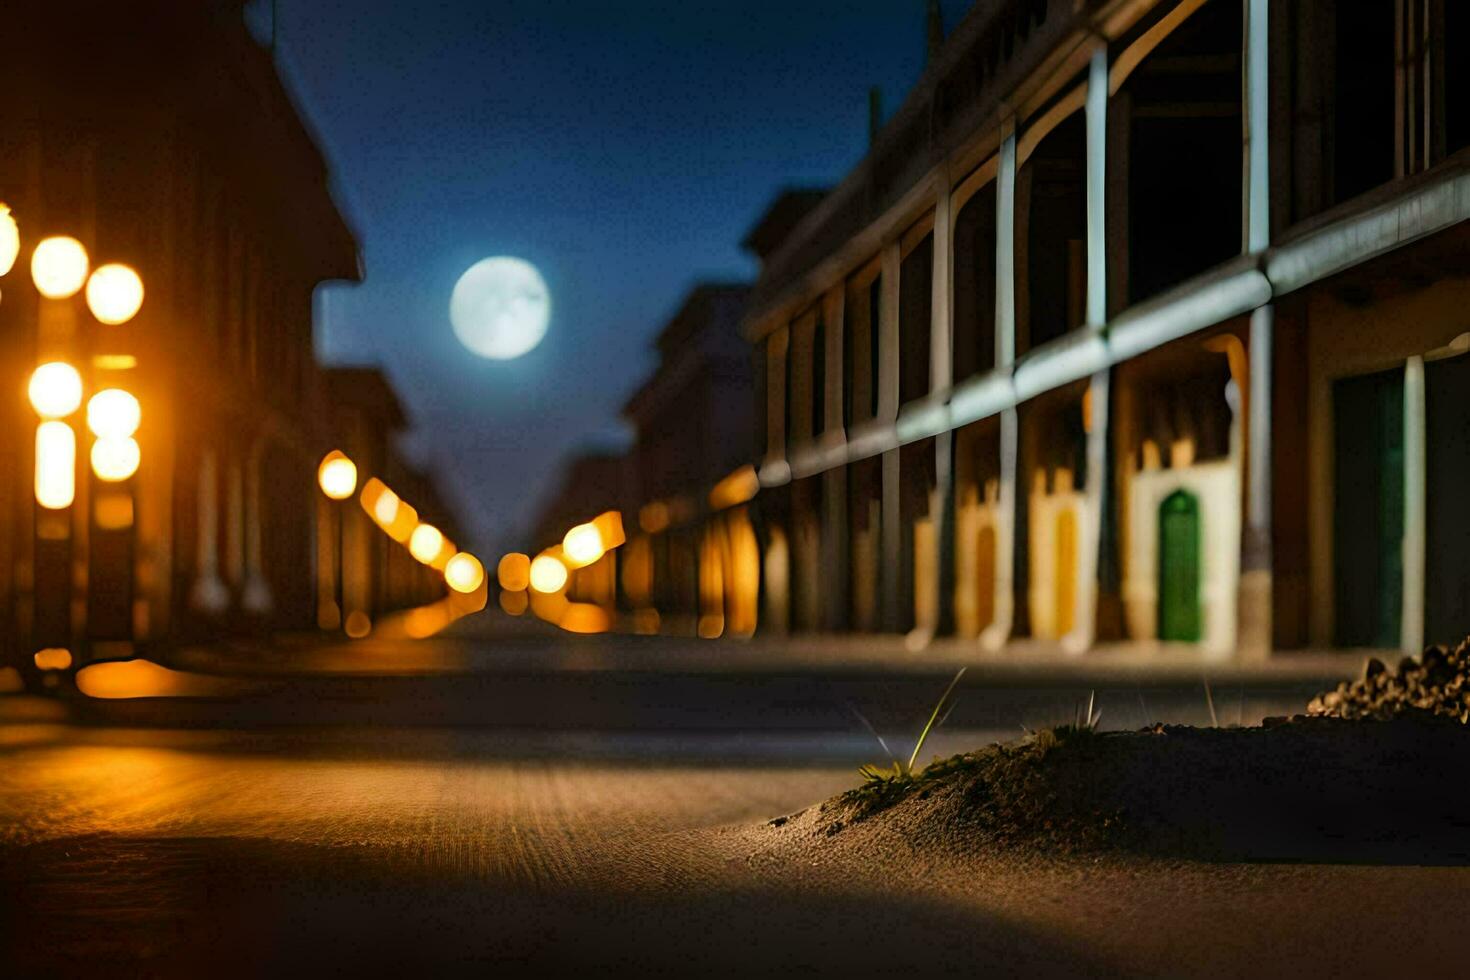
(1368, 505)
(1179, 611)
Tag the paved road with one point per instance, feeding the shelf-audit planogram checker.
(381, 852)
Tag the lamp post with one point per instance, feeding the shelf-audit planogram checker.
(337, 476)
(60, 268)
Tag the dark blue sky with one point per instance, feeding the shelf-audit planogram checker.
(622, 147)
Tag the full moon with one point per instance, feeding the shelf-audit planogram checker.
(500, 307)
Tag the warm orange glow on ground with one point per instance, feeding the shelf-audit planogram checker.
(584, 617)
(514, 603)
(124, 679)
(359, 624)
(514, 572)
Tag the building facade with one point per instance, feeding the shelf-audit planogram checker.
(158, 135)
(1142, 324)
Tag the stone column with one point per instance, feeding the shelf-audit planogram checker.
(1096, 491)
(256, 592)
(1254, 596)
(998, 632)
(208, 594)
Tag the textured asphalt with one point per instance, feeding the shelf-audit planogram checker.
(137, 852)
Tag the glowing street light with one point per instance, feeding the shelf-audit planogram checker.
(337, 475)
(114, 293)
(548, 574)
(385, 508)
(583, 545)
(426, 543)
(113, 414)
(59, 267)
(9, 239)
(56, 462)
(464, 573)
(115, 458)
(55, 390)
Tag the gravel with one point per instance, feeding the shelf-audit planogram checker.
(1436, 684)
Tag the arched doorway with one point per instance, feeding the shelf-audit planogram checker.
(1179, 544)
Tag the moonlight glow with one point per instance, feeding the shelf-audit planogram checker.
(500, 307)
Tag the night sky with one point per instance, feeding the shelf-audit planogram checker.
(623, 148)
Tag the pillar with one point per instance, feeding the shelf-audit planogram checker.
(208, 594)
(255, 594)
(998, 632)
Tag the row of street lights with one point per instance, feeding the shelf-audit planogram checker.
(337, 477)
(540, 583)
(60, 269)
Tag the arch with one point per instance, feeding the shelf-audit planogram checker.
(1179, 568)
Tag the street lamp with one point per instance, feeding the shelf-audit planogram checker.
(59, 266)
(9, 239)
(464, 573)
(55, 390)
(56, 462)
(583, 545)
(114, 293)
(548, 575)
(337, 476)
(426, 543)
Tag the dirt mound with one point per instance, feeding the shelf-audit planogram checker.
(1308, 789)
(1435, 684)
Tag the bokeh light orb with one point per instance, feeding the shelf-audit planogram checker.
(426, 543)
(55, 390)
(548, 574)
(9, 239)
(500, 307)
(113, 413)
(337, 475)
(464, 573)
(114, 293)
(59, 266)
(514, 572)
(583, 544)
(115, 458)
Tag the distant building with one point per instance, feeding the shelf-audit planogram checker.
(1140, 323)
(693, 418)
(158, 135)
